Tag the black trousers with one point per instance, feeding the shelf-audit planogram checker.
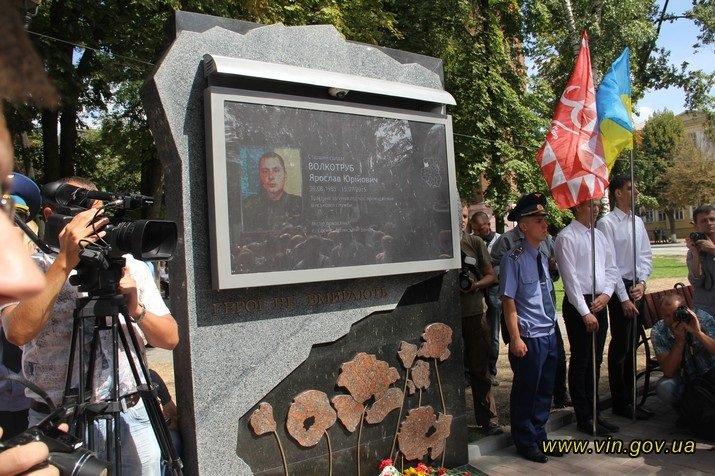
(560, 379)
(13, 423)
(581, 363)
(620, 352)
(477, 348)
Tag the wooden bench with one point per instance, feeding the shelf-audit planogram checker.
(651, 315)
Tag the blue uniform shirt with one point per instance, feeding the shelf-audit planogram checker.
(519, 280)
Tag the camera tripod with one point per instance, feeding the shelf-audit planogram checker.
(99, 276)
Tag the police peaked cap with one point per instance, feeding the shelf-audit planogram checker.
(529, 204)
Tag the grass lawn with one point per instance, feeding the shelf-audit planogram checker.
(672, 267)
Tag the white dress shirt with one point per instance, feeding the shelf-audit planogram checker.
(618, 228)
(573, 255)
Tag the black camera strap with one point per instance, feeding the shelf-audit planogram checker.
(22, 380)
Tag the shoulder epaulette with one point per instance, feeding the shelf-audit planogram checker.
(516, 252)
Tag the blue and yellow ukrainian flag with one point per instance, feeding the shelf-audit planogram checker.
(613, 106)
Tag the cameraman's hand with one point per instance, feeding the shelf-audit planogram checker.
(590, 322)
(518, 348)
(77, 233)
(694, 325)
(706, 246)
(128, 287)
(21, 458)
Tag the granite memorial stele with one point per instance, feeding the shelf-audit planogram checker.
(313, 183)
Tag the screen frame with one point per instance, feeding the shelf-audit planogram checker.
(214, 103)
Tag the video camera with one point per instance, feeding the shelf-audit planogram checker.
(683, 315)
(469, 273)
(146, 240)
(697, 236)
(66, 451)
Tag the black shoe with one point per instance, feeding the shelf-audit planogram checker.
(562, 403)
(491, 429)
(610, 427)
(553, 452)
(534, 455)
(627, 413)
(587, 427)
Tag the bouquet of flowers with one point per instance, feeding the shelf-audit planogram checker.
(388, 469)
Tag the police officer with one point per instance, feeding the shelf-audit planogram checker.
(501, 247)
(530, 314)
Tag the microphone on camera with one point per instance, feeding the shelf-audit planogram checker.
(63, 193)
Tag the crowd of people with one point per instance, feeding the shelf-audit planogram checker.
(513, 290)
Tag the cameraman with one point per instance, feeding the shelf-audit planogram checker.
(475, 328)
(701, 258)
(43, 325)
(670, 338)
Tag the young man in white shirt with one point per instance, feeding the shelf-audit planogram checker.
(583, 312)
(617, 226)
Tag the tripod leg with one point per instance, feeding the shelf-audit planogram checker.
(149, 397)
(117, 437)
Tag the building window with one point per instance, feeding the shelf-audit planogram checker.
(661, 216)
(649, 216)
(679, 215)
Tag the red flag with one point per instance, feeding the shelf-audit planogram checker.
(570, 159)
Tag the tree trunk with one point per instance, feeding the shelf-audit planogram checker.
(68, 140)
(50, 149)
(152, 184)
(670, 214)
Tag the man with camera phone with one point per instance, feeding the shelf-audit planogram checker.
(43, 325)
(525, 288)
(701, 258)
(477, 274)
(684, 344)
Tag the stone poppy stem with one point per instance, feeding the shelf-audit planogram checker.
(399, 416)
(283, 455)
(444, 407)
(439, 385)
(362, 418)
(330, 454)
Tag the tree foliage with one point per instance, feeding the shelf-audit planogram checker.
(501, 113)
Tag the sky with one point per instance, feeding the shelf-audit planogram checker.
(678, 37)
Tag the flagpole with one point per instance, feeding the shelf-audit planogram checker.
(593, 298)
(635, 282)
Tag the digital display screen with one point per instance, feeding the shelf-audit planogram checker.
(309, 189)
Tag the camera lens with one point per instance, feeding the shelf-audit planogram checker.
(80, 462)
(146, 240)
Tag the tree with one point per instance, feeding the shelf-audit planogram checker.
(690, 180)
(662, 146)
(612, 25)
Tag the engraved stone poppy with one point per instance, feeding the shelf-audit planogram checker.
(437, 337)
(407, 353)
(421, 432)
(309, 416)
(392, 400)
(262, 420)
(365, 376)
(420, 374)
(349, 411)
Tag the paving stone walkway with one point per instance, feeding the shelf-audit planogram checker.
(661, 427)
